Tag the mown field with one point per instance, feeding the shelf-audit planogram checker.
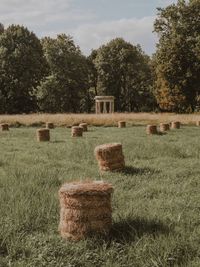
(156, 201)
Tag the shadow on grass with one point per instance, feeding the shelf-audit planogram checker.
(58, 141)
(128, 230)
(130, 170)
(162, 133)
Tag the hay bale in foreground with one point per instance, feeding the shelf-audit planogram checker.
(110, 157)
(175, 125)
(4, 127)
(164, 127)
(85, 209)
(151, 129)
(43, 135)
(84, 126)
(121, 124)
(76, 131)
(49, 125)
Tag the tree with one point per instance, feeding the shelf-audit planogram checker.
(1, 28)
(123, 71)
(68, 71)
(22, 66)
(177, 61)
(92, 80)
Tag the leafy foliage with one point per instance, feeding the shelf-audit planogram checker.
(22, 66)
(1, 28)
(177, 61)
(65, 86)
(124, 72)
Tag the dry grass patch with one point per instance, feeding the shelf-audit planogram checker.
(98, 120)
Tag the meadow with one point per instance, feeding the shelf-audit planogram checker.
(156, 200)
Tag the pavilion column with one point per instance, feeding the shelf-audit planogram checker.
(104, 107)
(110, 107)
(104, 104)
(96, 107)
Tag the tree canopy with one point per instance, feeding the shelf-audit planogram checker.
(52, 74)
(123, 71)
(65, 85)
(22, 66)
(177, 61)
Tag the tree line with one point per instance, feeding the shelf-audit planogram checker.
(52, 75)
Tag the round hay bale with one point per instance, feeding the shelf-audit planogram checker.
(121, 124)
(151, 129)
(84, 126)
(175, 125)
(76, 131)
(43, 135)
(164, 127)
(197, 123)
(4, 127)
(49, 125)
(85, 209)
(110, 157)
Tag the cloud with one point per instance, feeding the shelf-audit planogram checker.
(137, 31)
(50, 17)
(41, 14)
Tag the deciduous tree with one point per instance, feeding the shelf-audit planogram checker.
(68, 71)
(123, 71)
(22, 66)
(177, 61)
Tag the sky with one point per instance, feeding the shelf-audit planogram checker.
(91, 23)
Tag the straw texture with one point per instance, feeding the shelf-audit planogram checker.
(4, 127)
(121, 124)
(76, 131)
(175, 125)
(43, 135)
(85, 209)
(84, 126)
(151, 129)
(164, 127)
(110, 157)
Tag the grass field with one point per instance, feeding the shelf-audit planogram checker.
(98, 120)
(156, 201)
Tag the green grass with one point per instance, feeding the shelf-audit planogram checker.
(156, 201)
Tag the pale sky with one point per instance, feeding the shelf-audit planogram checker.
(90, 22)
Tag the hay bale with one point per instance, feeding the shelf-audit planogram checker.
(4, 127)
(175, 125)
(110, 157)
(197, 123)
(164, 127)
(121, 124)
(49, 125)
(151, 129)
(76, 131)
(84, 126)
(43, 135)
(85, 209)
